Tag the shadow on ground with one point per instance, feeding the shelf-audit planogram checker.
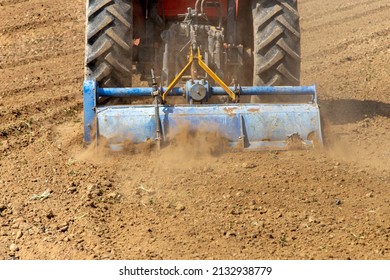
(343, 111)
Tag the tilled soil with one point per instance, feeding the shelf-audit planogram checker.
(61, 201)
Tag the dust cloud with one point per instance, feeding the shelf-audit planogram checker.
(184, 146)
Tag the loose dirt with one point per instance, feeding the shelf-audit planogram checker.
(61, 201)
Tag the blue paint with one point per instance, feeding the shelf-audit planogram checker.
(89, 95)
(255, 90)
(267, 126)
(262, 126)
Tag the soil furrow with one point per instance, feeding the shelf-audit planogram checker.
(5, 3)
(55, 85)
(34, 122)
(336, 49)
(346, 19)
(44, 74)
(333, 11)
(8, 30)
(45, 56)
(28, 108)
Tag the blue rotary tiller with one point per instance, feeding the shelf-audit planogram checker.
(258, 126)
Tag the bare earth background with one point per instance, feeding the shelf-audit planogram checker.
(193, 203)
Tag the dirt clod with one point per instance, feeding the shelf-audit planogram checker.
(248, 165)
(13, 248)
(370, 194)
(19, 234)
(180, 207)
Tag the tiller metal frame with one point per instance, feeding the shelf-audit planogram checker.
(253, 126)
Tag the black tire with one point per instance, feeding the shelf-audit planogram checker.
(277, 51)
(109, 36)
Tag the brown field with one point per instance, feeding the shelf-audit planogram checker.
(185, 203)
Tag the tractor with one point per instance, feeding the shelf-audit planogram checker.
(234, 65)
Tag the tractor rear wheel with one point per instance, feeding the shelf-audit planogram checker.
(109, 41)
(277, 51)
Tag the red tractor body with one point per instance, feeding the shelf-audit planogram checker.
(173, 8)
